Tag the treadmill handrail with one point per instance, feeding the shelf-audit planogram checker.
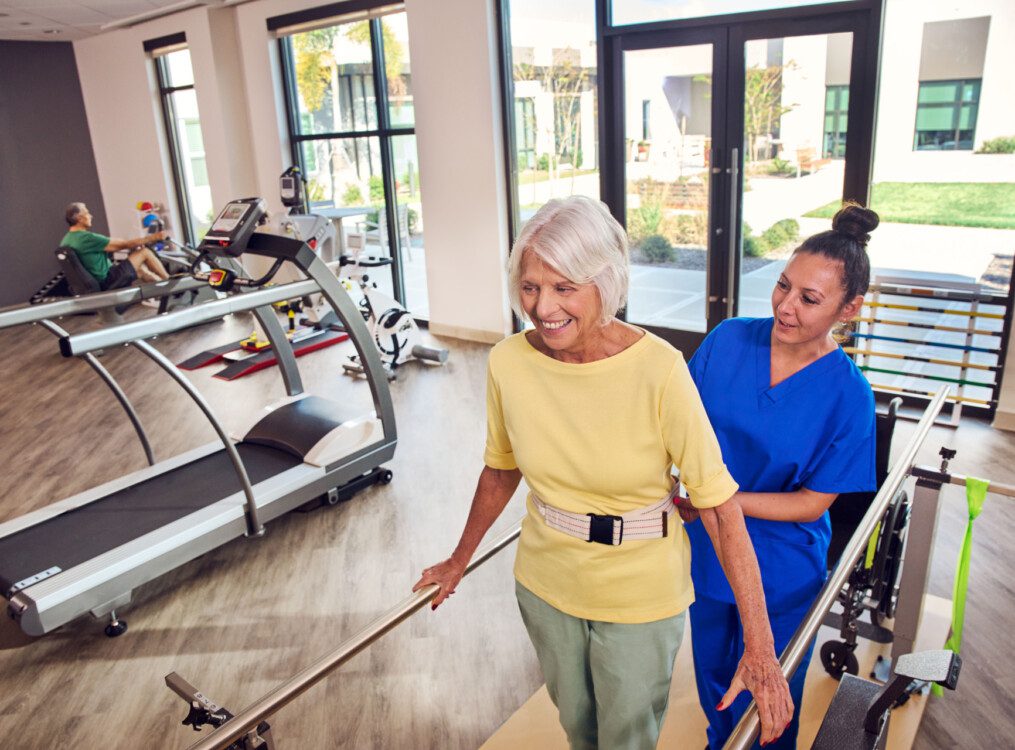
(90, 341)
(254, 525)
(114, 386)
(25, 314)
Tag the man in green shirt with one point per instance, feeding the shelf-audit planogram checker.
(94, 250)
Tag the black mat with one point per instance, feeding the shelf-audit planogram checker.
(83, 533)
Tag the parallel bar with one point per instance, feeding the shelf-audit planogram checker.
(927, 472)
(24, 314)
(110, 381)
(284, 694)
(747, 729)
(83, 343)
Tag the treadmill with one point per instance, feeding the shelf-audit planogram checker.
(87, 553)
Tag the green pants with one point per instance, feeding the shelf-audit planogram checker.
(609, 681)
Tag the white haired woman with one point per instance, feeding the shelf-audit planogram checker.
(593, 412)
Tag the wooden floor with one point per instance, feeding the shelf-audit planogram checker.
(243, 618)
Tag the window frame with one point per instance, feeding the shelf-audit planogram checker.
(384, 131)
(183, 198)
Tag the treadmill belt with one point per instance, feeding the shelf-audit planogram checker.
(81, 534)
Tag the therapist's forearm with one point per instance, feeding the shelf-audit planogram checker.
(726, 527)
(802, 506)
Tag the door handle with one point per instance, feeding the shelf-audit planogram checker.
(731, 280)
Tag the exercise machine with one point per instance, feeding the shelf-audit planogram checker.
(857, 718)
(69, 558)
(392, 327)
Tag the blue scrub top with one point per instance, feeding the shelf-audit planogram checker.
(813, 430)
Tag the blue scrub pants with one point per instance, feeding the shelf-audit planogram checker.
(717, 641)
(609, 681)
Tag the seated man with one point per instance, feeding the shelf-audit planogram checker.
(94, 249)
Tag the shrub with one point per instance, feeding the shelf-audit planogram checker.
(779, 234)
(646, 220)
(413, 219)
(1002, 145)
(753, 246)
(376, 189)
(543, 163)
(780, 166)
(352, 196)
(790, 227)
(657, 249)
(689, 229)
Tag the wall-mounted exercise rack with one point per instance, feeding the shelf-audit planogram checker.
(914, 334)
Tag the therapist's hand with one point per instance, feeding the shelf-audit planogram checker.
(760, 673)
(688, 513)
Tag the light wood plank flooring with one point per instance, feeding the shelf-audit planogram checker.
(245, 617)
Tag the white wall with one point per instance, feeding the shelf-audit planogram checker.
(125, 119)
(453, 45)
(894, 157)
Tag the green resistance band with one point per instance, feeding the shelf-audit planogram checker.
(976, 493)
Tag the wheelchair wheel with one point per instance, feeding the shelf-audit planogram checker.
(837, 658)
(889, 564)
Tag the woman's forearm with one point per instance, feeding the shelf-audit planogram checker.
(801, 506)
(493, 491)
(726, 527)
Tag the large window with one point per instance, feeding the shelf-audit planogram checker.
(553, 87)
(352, 131)
(186, 144)
(946, 115)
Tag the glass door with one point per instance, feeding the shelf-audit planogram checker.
(669, 97)
(732, 139)
(795, 120)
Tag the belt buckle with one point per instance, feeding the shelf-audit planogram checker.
(601, 528)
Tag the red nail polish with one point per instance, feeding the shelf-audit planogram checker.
(718, 706)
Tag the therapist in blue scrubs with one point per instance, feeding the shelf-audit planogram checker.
(795, 420)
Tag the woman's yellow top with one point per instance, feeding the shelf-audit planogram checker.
(601, 437)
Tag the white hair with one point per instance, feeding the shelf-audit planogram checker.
(580, 240)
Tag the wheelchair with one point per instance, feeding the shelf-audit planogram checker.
(873, 585)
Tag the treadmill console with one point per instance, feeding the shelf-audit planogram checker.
(232, 228)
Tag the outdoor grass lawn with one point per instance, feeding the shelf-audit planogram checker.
(960, 204)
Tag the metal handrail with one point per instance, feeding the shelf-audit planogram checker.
(250, 717)
(89, 341)
(747, 728)
(20, 315)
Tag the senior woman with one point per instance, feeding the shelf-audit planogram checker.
(593, 413)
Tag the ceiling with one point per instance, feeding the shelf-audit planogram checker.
(67, 20)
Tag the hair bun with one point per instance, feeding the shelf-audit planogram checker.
(856, 222)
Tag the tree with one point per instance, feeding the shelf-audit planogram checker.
(763, 107)
(566, 80)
